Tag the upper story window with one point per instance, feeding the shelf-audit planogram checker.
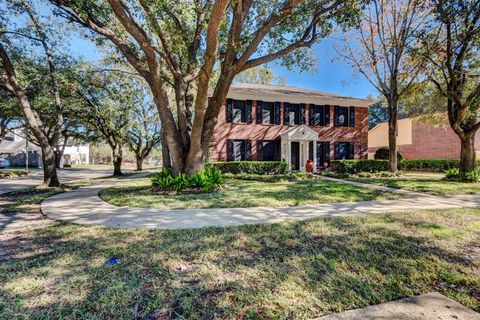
(294, 114)
(319, 115)
(268, 112)
(239, 111)
(344, 116)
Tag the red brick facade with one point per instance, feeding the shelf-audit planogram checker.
(256, 132)
(430, 142)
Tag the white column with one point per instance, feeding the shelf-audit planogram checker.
(314, 156)
(288, 155)
(303, 149)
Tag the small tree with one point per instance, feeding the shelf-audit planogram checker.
(451, 46)
(144, 133)
(107, 110)
(381, 50)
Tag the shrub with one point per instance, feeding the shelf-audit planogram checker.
(452, 173)
(251, 167)
(473, 176)
(455, 175)
(207, 180)
(354, 166)
(163, 179)
(432, 165)
(383, 154)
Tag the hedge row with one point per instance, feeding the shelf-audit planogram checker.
(432, 165)
(352, 166)
(251, 167)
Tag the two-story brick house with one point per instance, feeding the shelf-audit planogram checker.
(272, 122)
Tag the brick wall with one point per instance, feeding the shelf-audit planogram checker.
(255, 132)
(432, 142)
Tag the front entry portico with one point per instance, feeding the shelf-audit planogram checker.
(300, 136)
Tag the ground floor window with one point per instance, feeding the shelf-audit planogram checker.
(344, 150)
(239, 150)
(268, 150)
(323, 152)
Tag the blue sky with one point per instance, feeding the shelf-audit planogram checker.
(336, 77)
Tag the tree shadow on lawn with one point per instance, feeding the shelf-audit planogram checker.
(300, 270)
(246, 194)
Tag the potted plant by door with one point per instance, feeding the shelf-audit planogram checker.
(309, 166)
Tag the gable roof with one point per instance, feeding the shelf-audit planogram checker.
(291, 94)
(300, 133)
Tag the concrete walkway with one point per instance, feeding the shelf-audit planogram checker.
(432, 306)
(84, 206)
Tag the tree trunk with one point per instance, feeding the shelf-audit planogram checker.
(117, 158)
(392, 136)
(467, 153)
(166, 162)
(139, 159)
(50, 177)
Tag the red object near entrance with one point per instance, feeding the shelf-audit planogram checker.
(309, 166)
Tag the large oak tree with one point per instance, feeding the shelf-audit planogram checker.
(451, 45)
(181, 43)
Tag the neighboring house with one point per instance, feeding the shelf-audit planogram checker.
(291, 124)
(76, 155)
(417, 139)
(12, 148)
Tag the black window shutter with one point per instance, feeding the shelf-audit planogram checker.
(259, 111)
(277, 150)
(319, 154)
(303, 115)
(229, 110)
(230, 150)
(259, 150)
(248, 149)
(351, 150)
(248, 106)
(286, 113)
(352, 117)
(277, 113)
(327, 116)
(311, 114)
(327, 151)
(321, 112)
(336, 110)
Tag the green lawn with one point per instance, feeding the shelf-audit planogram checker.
(430, 183)
(295, 270)
(241, 193)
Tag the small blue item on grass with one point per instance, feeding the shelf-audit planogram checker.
(112, 261)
